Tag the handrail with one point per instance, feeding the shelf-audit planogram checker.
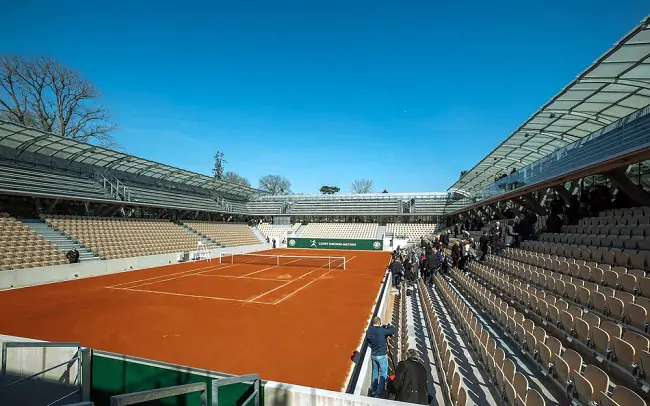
(217, 383)
(82, 356)
(155, 394)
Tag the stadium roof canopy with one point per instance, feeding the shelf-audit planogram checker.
(25, 139)
(614, 86)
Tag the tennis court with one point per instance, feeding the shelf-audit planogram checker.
(290, 317)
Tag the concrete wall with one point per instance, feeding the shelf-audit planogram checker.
(52, 385)
(283, 394)
(18, 278)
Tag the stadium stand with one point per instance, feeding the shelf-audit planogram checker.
(275, 230)
(170, 197)
(226, 234)
(30, 180)
(412, 231)
(340, 230)
(346, 207)
(113, 238)
(22, 248)
(265, 208)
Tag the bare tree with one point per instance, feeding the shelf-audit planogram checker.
(44, 94)
(361, 186)
(236, 178)
(218, 168)
(275, 184)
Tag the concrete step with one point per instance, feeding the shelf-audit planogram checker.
(62, 241)
(209, 242)
(381, 230)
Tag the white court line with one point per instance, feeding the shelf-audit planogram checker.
(266, 269)
(301, 288)
(225, 299)
(137, 285)
(164, 276)
(304, 286)
(287, 283)
(253, 278)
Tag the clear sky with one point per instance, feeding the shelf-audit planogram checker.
(406, 93)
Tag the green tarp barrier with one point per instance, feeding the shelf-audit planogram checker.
(335, 244)
(114, 374)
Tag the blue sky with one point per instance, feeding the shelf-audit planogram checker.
(406, 93)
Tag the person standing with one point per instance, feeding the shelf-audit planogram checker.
(397, 271)
(376, 336)
(484, 241)
(411, 380)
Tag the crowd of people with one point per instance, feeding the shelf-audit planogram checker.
(437, 255)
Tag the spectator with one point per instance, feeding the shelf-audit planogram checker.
(376, 339)
(455, 254)
(409, 273)
(411, 380)
(484, 242)
(73, 255)
(397, 270)
(511, 235)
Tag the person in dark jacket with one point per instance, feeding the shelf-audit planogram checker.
(510, 239)
(397, 270)
(484, 242)
(411, 380)
(73, 256)
(376, 336)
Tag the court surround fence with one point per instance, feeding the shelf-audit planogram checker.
(336, 244)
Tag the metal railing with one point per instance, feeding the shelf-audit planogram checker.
(155, 394)
(82, 356)
(255, 394)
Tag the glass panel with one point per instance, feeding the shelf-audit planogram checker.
(623, 137)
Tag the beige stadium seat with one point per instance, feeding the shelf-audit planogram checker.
(113, 238)
(21, 248)
(227, 234)
(340, 230)
(413, 231)
(274, 230)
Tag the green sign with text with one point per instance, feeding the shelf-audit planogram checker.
(335, 244)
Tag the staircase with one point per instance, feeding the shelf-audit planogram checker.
(209, 242)
(381, 230)
(258, 234)
(299, 230)
(63, 242)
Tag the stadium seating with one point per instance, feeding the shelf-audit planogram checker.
(226, 234)
(345, 206)
(22, 248)
(171, 197)
(412, 231)
(30, 180)
(239, 207)
(264, 208)
(113, 238)
(340, 230)
(273, 230)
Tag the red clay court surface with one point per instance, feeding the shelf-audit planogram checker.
(294, 324)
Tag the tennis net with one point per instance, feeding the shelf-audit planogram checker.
(283, 260)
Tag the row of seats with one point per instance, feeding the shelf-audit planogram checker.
(610, 256)
(262, 207)
(276, 230)
(345, 207)
(340, 230)
(112, 238)
(511, 383)
(412, 231)
(169, 197)
(226, 234)
(21, 248)
(453, 378)
(49, 182)
(630, 212)
(584, 384)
